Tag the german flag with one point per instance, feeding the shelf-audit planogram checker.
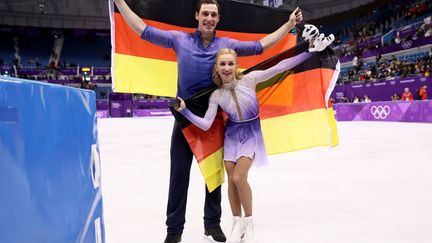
(139, 66)
(295, 112)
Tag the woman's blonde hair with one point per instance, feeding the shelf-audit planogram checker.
(216, 77)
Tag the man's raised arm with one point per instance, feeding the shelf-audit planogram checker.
(271, 39)
(132, 19)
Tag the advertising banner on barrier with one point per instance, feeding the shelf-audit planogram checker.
(401, 111)
(50, 171)
(150, 104)
(371, 41)
(381, 90)
(152, 112)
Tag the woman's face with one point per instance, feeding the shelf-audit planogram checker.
(226, 66)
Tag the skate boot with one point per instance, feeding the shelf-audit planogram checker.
(321, 42)
(173, 238)
(215, 234)
(237, 230)
(249, 235)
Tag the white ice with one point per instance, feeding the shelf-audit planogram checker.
(374, 187)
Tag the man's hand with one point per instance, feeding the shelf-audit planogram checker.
(295, 17)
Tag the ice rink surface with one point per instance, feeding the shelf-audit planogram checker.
(374, 187)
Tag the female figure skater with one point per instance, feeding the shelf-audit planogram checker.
(243, 140)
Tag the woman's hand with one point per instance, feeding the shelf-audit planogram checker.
(181, 106)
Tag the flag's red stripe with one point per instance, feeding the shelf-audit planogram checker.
(205, 143)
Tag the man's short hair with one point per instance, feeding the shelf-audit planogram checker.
(201, 2)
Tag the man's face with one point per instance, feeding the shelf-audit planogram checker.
(208, 17)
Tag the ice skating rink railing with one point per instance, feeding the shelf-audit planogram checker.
(49, 164)
(400, 111)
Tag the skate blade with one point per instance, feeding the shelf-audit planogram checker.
(210, 239)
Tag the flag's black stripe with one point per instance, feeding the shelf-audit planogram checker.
(235, 16)
(324, 59)
(299, 48)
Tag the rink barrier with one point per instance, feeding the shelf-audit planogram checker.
(409, 44)
(123, 105)
(138, 113)
(380, 90)
(49, 164)
(400, 111)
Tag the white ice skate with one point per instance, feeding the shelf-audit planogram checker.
(321, 42)
(249, 235)
(237, 230)
(310, 32)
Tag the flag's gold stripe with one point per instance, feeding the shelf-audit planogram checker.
(130, 76)
(299, 131)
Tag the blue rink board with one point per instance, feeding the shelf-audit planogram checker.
(49, 164)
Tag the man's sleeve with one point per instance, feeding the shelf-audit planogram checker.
(163, 38)
(246, 48)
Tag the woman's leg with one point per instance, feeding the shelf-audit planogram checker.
(237, 229)
(240, 177)
(233, 195)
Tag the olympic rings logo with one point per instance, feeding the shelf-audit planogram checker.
(406, 44)
(380, 112)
